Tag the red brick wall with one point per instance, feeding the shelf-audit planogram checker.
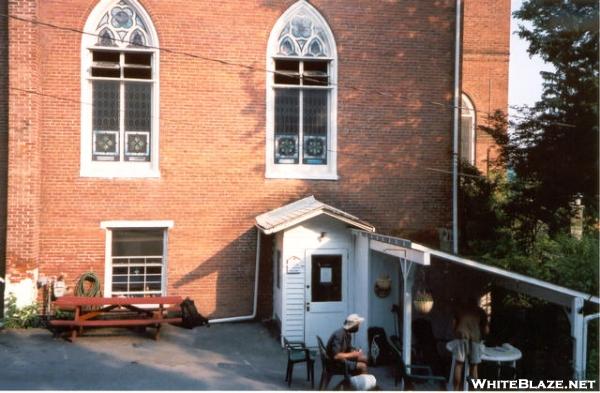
(23, 240)
(486, 42)
(212, 137)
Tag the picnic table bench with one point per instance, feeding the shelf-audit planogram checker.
(115, 312)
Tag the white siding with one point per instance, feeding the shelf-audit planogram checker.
(293, 302)
(380, 308)
(277, 292)
(321, 232)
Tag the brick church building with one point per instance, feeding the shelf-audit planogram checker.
(140, 139)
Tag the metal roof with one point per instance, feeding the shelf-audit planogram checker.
(510, 280)
(296, 212)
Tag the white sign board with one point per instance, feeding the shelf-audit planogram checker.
(294, 265)
(326, 275)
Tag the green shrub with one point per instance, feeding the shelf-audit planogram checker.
(19, 318)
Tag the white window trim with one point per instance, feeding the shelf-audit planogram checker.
(120, 169)
(108, 226)
(300, 170)
(469, 111)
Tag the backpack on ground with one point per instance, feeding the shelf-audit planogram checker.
(190, 316)
(380, 352)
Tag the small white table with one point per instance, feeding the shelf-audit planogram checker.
(501, 354)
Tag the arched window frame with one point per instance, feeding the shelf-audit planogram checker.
(302, 170)
(468, 114)
(90, 167)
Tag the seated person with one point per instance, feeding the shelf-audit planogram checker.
(339, 347)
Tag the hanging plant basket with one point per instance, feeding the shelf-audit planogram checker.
(423, 302)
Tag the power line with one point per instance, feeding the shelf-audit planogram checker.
(360, 155)
(254, 68)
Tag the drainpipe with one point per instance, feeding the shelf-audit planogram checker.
(254, 304)
(457, 49)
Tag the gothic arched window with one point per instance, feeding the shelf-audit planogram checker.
(301, 96)
(119, 89)
(467, 130)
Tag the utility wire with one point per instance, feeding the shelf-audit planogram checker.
(255, 68)
(190, 123)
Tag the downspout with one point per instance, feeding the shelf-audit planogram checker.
(255, 302)
(457, 49)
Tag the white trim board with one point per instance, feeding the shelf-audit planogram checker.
(137, 224)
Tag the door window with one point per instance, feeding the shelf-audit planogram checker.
(326, 278)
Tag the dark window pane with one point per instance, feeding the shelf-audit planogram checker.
(326, 278)
(137, 242)
(153, 287)
(138, 106)
(315, 126)
(105, 114)
(105, 120)
(105, 64)
(105, 72)
(153, 270)
(315, 73)
(138, 58)
(119, 279)
(138, 117)
(287, 72)
(119, 287)
(137, 73)
(119, 270)
(286, 126)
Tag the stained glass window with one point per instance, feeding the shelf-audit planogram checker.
(286, 126)
(122, 26)
(315, 126)
(300, 30)
(301, 103)
(302, 97)
(117, 70)
(120, 92)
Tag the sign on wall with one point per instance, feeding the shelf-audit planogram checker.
(294, 265)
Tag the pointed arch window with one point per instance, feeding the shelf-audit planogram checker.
(467, 130)
(301, 97)
(119, 87)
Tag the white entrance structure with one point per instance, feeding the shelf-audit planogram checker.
(313, 264)
(326, 264)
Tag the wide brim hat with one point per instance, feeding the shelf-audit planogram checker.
(352, 320)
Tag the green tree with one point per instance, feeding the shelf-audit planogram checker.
(554, 153)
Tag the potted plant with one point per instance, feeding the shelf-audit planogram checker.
(423, 301)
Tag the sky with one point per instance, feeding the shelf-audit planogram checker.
(525, 82)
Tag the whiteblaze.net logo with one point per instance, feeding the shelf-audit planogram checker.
(528, 384)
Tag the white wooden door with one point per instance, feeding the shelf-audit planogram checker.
(326, 293)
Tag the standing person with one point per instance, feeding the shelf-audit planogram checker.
(339, 346)
(470, 324)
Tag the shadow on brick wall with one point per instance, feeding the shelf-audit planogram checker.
(228, 278)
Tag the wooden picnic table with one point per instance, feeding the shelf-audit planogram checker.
(115, 312)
